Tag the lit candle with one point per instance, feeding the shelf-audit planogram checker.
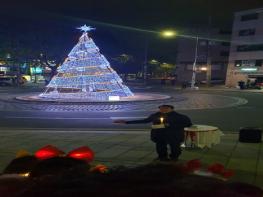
(25, 174)
(161, 119)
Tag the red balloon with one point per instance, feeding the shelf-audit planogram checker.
(228, 173)
(83, 153)
(216, 168)
(48, 151)
(193, 165)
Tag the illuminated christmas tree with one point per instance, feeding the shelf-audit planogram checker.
(86, 74)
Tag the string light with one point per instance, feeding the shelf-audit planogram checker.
(86, 74)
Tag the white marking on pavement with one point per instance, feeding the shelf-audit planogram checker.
(100, 131)
(52, 118)
(70, 118)
(129, 117)
(89, 130)
(72, 129)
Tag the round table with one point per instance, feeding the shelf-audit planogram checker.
(203, 135)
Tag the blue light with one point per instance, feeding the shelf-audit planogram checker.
(86, 74)
(36, 70)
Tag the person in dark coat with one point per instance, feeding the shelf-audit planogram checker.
(167, 129)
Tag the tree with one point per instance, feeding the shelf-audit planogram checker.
(86, 74)
(159, 69)
(153, 67)
(167, 69)
(124, 60)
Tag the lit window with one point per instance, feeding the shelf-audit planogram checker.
(249, 17)
(247, 32)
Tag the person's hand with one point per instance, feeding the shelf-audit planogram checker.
(119, 121)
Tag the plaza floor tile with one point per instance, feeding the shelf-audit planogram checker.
(112, 149)
(242, 164)
(244, 176)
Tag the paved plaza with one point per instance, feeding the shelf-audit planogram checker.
(133, 147)
(31, 126)
(182, 100)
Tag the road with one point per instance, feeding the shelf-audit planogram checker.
(229, 110)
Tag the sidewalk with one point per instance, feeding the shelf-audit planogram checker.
(212, 87)
(224, 88)
(141, 87)
(133, 147)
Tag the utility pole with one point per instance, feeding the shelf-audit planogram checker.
(208, 65)
(194, 64)
(208, 56)
(145, 62)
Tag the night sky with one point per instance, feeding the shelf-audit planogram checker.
(137, 12)
(49, 25)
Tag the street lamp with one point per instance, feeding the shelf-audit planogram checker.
(168, 34)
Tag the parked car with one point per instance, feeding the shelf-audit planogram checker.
(9, 80)
(6, 81)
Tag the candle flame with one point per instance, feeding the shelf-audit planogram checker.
(25, 174)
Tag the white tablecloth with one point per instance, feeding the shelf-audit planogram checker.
(205, 136)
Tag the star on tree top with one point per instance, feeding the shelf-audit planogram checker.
(86, 28)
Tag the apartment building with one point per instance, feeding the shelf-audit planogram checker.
(246, 51)
(212, 44)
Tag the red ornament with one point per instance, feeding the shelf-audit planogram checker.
(100, 168)
(47, 152)
(216, 168)
(83, 153)
(193, 165)
(227, 174)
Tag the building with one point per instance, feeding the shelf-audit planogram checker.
(246, 52)
(212, 49)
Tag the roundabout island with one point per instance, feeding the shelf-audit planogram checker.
(86, 77)
(137, 97)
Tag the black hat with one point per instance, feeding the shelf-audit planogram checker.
(170, 106)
